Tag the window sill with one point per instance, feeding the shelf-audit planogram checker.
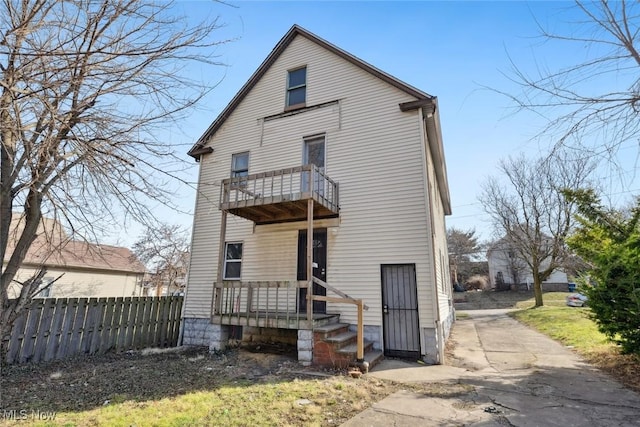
(295, 107)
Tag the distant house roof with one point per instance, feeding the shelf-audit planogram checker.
(53, 248)
(423, 98)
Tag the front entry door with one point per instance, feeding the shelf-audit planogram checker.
(319, 268)
(400, 311)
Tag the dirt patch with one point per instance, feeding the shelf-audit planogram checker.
(623, 367)
(483, 300)
(79, 385)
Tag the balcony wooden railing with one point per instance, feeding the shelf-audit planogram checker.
(275, 305)
(279, 195)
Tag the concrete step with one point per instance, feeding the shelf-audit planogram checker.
(353, 348)
(325, 319)
(342, 339)
(373, 357)
(331, 329)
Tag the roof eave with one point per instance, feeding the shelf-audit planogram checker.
(434, 135)
(198, 150)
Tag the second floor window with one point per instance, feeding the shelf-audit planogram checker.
(297, 87)
(240, 164)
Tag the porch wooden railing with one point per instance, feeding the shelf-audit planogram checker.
(269, 303)
(275, 304)
(278, 186)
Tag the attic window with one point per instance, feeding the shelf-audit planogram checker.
(297, 87)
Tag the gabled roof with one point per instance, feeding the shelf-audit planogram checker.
(53, 248)
(200, 148)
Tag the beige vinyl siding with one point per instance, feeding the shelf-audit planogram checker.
(77, 282)
(204, 245)
(372, 149)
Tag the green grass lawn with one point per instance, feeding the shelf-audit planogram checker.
(569, 325)
(550, 299)
(573, 327)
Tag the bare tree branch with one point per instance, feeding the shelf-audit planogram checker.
(596, 102)
(87, 92)
(529, 211)
(165, 251)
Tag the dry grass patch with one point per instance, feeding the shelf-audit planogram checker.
(191, 387)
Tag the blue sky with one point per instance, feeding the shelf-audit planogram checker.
(448, 49)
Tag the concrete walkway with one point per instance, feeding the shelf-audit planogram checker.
(502, 373)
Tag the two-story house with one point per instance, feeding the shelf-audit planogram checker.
(322, 167)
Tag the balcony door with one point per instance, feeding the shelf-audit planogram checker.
(314, 154)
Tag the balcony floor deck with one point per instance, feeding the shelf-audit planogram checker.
(264, 210)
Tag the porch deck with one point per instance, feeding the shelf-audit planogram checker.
(280, 195)
(274, 319)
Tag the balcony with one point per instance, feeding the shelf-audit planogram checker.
(281, 195)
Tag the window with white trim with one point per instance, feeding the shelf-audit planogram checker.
(297, 87)
(232, 261)
(240, 164)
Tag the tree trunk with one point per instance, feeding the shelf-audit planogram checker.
(4, 330)
(455, 273)
(537, 289)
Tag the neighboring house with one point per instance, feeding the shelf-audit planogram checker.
(322, 150)
(87, 270)
(507, 270)
(169, 279)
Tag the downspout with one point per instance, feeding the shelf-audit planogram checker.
(425, 138)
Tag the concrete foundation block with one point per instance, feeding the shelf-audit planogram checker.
(219, 337)
(305, 334)
(305, 357)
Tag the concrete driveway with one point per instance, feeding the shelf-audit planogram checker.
(502, 373)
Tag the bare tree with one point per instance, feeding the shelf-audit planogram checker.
(165, 251)
(597, 99)
(87, 91)
(464, 248)
(530, 211)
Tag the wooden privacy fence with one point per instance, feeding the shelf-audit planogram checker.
(56, 328)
